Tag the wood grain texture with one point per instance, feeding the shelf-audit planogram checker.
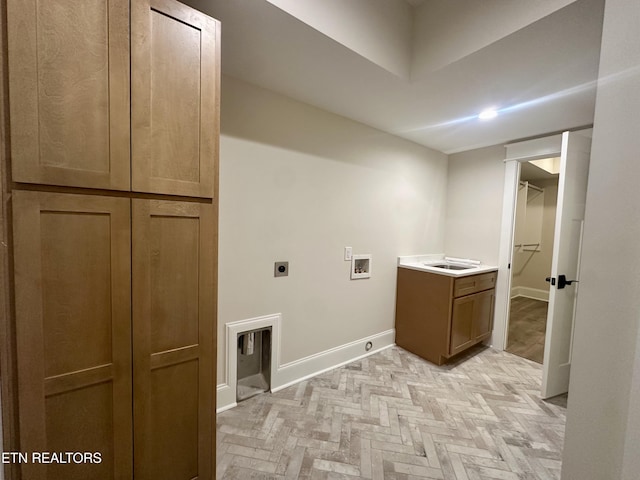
(471, 319)
(474, 283)
(174, 324)
(438, 316)
(462, 324)
(69, 92)
(423, 310)
(79, 378)
(483, 314)
(73, 339)
(527, 328)
(175, 99)
(175, 89)
(8, 374)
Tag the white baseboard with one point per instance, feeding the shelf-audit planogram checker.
(225, 398)
(290, 373)
(534, 293)
(298, 370)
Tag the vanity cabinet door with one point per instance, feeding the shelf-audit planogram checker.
(69, 92)
(483, 315)
(462, 324)
(471, 320)
(175, 98)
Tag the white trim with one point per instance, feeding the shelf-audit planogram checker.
(503, 282)
(517, 152)
(528, 292)
(225, 398)
(535, 149)
(304, 368)
(290, 373)
(366, 273)
(227, 391)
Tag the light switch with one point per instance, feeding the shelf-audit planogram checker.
(348, 251)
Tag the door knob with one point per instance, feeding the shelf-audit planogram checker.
(562, 281)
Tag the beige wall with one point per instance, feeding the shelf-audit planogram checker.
(478, 24)
(603, 418)
(299, 184)
(530, 268)
(474, 204)
(379, 30)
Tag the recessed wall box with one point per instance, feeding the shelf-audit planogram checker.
(360, 266)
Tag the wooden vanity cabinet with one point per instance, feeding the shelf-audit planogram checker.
(438, 316)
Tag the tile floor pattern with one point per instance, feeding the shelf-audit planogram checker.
(395, 416)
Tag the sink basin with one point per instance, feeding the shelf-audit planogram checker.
(448, 266)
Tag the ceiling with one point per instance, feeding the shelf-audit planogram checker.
(427, 72)
(530, 172)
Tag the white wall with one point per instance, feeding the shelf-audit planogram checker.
(630, 461)
(603, 421)
(477, 24)
(299, 184)
(530, 268)
(379, 30)
(474, 204)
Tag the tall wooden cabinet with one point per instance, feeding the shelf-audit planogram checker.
(113, 125)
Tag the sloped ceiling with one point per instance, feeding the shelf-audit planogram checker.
(537, 64)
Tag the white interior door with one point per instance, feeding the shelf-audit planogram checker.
(572, 192)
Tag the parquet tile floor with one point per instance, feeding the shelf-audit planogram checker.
(393, 415)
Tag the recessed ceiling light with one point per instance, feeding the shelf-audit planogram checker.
(488, 114)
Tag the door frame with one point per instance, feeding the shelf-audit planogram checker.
(516, 153)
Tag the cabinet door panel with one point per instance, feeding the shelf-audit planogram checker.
(483, 314)
(73, 331)
(69, 92)
(174, 339)
(175, 87)
(462, 324)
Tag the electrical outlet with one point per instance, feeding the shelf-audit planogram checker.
(348, 252)
(281, 269)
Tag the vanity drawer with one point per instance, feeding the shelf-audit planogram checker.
(474, 283)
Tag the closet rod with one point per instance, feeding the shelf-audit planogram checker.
(530, 185)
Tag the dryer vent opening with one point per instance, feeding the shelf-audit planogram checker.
(254, 363)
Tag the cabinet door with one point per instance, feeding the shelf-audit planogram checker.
(69, 92)
(73, 332)
(462, 318)
(174, 339)
(483, 314)
(175, 98)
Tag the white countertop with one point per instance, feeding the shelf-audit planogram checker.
(424, 263)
